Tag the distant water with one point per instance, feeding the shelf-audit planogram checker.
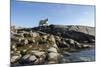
(85, 55)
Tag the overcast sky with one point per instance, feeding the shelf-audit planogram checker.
(28, 14)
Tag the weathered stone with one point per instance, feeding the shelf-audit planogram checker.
(35, 58)
(32, 58)
(51, 39)
(52, 49)
(18, 52)
(34, 34)
(28, 59)
(13, 46)
(71, 41)
(38, 53)
(15, 58)
(78, 45)
(27, 34)
(26, 56)
(30, 46)
(65, 44)
(37, 61)
(55, 46)
(26, 41)
(58, 38)
(45, 37)
(53, 57)
(86, 46)
(23, 52)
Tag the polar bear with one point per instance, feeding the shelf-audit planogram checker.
(43, 22)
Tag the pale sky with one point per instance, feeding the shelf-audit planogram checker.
(28, 14)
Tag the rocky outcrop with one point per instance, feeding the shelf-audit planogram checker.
(78, 33)
(44, 44)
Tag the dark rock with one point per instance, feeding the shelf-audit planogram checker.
(28, 59)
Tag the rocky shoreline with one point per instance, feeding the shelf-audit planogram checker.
(45, 44)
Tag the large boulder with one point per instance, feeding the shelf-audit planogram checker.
(28, 59)
(15, 58)
(52, 49)
(32, 58)
(53, 57)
